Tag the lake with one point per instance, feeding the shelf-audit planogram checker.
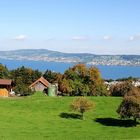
(107, 72)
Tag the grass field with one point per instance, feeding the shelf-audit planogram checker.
(41, 117)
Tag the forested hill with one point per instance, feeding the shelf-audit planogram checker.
(54, 56)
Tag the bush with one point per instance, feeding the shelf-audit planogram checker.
(130, 106)
(22, 90)
(121, 89)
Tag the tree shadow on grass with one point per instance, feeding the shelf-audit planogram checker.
(116, 122)
(70, 115)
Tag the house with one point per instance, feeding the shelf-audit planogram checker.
(5, 87)
(40, 85)
(6, 83)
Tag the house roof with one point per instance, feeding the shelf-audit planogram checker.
(42, 80)
(5, 82)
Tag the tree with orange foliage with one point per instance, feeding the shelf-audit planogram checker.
(84, 81)
(81, 105)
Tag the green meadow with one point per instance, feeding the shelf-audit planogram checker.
(40, 117)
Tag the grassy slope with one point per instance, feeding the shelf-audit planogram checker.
(37, 118)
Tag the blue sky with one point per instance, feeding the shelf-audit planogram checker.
(93, 26)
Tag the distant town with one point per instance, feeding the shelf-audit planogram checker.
(54, 56)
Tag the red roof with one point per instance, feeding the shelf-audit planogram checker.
(42, 80)
(5, 82)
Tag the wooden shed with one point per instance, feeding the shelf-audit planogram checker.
(6, 83)
(40, 85)
(5, 87)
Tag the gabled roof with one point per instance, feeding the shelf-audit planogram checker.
(42, 80)
(5, 82)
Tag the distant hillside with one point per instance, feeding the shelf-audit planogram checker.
(54, 56)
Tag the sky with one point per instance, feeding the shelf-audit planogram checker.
(77, 26)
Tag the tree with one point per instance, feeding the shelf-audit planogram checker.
(84, 81)
(96, 83)
(79, 88)
(81, 105)
(130, 106)
(22, 78)
(25, 76)
(4, 72)
(64, 87)
(52, 77)
(22, 90)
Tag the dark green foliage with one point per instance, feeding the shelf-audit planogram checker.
(25, 76)
(22, 78)
(128, 79)
(52, 77)
(4, 72)
(130, 106)
(79, 88)
(22, 90)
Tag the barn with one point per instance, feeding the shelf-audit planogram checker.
(40, 85)
(5, 87)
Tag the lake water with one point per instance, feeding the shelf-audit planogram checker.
(108, 72)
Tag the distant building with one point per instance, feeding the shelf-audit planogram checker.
(6, 83)
(40, 85)
(136, 83)
(5, 87)
(112, 83)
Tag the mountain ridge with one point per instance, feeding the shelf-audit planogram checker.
(56, 56)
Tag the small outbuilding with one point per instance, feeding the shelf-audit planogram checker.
(40, 85)
(5, 87)
(6, 83)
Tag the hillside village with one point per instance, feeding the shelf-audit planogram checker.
(54, 56)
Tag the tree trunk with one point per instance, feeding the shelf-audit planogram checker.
(135, 121)
(82, 116)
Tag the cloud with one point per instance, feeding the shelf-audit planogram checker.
(50, 39)
(20, 37)
(134, 37)
(80, 38)
(107, 37)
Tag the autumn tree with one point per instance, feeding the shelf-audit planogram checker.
(4, 72)
(64, 87)
(75, 76)
(85, 81)
(81, 105)
(130, 106)
(96, 83)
